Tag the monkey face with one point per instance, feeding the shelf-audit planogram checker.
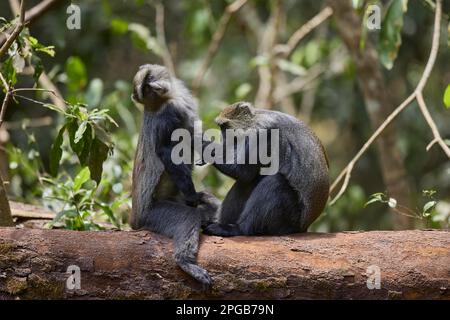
(151, 84)
(237, 116)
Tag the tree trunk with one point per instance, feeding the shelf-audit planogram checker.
(118, 265)
(5, 210)
(378, 104)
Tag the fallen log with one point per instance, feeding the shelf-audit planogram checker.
(26, 211)
(139, 265)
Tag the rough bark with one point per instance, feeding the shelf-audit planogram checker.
(378, 104)
(5, 210)
(117, 265)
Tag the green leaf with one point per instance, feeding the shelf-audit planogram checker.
(108, 211)
(429, 205)
(83, 176)
(80, 131)
(33, 41)
(53, 107)
(291, 67)
(48, 50)
(258, 61)
(76, 73)
(98, 155)
(70, 213)
(447, 97)
(38, 47)
(390, 35)
(119, 26)
(94, 92)
(9, 72)
(142, 38)
(243, 90)
(83, 147)
(373, 200)
(102, 135)
(376, 197)
(56, 152)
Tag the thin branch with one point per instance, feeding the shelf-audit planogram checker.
(32, 14)
(297, 36)
(267, 71)
(30, 99)
(161, 36)
(4, 83)
(39, 9)
(215, 42)
(15, 6)
(17, 30)
(416, 95)
(249, 15)
(49, 87)
(5, 210)
(31, 89)
(44, 79)
(431, 144)
(426, 114)
(298, 83)
(275, 91)
(348, 169)
(35, 12)
(6, 100)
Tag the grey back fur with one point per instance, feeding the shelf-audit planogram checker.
(147, 165)
(302, 160)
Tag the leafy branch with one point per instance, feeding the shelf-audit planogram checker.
(416, 95)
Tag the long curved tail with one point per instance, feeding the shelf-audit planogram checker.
(186, 249)
(182, 223)
(187, 239)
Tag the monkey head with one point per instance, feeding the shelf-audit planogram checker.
(240, 115)
(151, 85)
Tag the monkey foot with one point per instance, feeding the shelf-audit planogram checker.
(222, 230)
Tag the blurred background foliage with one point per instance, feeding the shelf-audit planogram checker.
(94, 66)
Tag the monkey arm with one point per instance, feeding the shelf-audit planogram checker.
(180, 173)
(244, 172)
(241, 172)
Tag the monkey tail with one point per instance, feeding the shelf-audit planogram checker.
(186, 248)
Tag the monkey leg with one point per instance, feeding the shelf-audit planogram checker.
(208, 208)
(272, 209)
(182, 223)
(234, 202)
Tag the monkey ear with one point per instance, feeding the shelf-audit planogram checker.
(246, 107)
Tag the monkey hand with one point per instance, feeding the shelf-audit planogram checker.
(201, 162)
(160, 87)
(193, 200)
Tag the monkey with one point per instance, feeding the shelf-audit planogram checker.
(282, 203)
(164, 199)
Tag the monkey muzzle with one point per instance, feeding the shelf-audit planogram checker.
(222, 122)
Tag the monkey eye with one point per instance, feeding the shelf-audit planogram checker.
(146, 88)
